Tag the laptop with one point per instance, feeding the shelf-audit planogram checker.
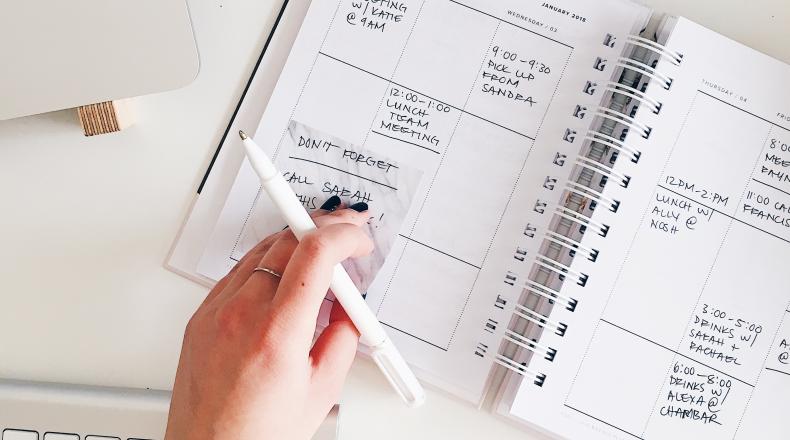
(59, 55)
(64, 54)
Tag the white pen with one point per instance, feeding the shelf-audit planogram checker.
(372, 333)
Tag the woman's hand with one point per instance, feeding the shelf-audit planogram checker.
(248, 367)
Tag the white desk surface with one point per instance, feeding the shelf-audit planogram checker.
(89, 221)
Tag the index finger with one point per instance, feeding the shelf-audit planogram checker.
(240, 273)
(306, 279)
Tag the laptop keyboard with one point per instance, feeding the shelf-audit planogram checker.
(52, 411)
(24, 434)
(47, 411)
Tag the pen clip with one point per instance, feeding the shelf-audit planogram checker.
(398, 373)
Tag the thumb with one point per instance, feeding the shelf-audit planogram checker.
(333, 353)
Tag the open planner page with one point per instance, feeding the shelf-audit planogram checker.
(683, 329)
(473, 93)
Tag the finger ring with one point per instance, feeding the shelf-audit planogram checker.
(267, 270)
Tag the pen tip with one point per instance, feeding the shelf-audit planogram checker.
(242, 135)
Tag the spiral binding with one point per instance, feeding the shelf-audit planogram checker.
(572, 217)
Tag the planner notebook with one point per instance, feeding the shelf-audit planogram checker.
(598, 245)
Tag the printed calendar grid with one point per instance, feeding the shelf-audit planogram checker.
(474, 265)
(733, 216)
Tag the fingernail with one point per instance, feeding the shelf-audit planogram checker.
(331, 203)
(365, 295)
(359, 207)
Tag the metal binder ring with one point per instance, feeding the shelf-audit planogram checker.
(635, 94)
(510, 364)
(549, 293)
(531, 345)
(594, 136)
(623, 119)
(561, 269)
(644, 69)
(674, 57)
(543, 321)
(596, 196)
(581, 219)
(598, 167)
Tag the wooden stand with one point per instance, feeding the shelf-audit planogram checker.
(104, 117)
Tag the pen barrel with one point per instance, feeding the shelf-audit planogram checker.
(398, 373)
(370, 329)
(289, 207)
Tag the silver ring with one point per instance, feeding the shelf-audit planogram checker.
(267, 270)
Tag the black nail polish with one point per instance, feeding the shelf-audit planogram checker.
(331, 203)
(365, 295)
(359, 207)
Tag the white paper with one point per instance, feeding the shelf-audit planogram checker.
(682, 329)
(477, 95)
